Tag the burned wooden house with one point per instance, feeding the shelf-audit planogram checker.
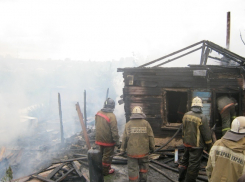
(165, 93)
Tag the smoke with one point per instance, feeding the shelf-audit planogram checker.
(29, 116)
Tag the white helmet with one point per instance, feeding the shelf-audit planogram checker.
(196, 102)
(238, 125)
(137, 109)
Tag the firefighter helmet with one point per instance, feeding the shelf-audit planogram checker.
(197, 101)
(137, 110)
(109, 103)
(238, 125)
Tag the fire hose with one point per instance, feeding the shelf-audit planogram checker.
(169, 139)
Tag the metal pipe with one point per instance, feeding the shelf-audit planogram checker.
(176, 156)
(107, 93)
(228, 27)
(61, 122)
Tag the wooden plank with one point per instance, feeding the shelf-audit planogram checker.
(2, 153)
(64, 176)
(153, 70)
(80, 115)
(141, 91)
(181, 84)
(76, 169)
(70, 160)
(42, 178)
(86, 177)
(169, 78)
(144, 104)
(156, 100)
(55, 171)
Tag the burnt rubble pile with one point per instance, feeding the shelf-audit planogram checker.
(52, 160)
(69, 162)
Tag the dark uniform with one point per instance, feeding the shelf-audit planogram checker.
(106, 136)
(226, 107)
(196, 135)
(138, 141)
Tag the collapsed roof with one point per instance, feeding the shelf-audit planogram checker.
(206, 47)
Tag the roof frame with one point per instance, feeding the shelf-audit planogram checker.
(206, 47)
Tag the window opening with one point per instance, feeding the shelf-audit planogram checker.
(176, 106)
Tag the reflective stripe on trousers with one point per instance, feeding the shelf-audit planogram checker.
(138, 168)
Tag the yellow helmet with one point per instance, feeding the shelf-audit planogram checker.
(137, 109)
(196, 102)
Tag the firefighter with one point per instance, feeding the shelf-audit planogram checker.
(196, 136)
(106, 134)
(226, 106)
(227, 156)
(138, 142)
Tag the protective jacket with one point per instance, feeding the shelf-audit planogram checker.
(138, 138)
(226, 160)
(106, 129)
(225, 102)
(195, 131)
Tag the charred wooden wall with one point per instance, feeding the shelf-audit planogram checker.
(145, 87)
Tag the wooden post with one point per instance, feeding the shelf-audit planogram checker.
(80, 115)
(61, 122)
(85, 111)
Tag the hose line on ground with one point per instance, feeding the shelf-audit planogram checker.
(169, 139)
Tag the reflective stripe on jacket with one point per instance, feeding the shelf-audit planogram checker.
(106, 129)
(195, 131)
(224, 102)
(138, 138)
(226, 160)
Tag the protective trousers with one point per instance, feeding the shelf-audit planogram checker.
(190, 164)
(227, 116)
(107, 153)
(137, 169)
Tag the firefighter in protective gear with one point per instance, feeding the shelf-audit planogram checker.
(138, 142)
(226, 106)
(106, 134)
(196, 136)
(227, 156)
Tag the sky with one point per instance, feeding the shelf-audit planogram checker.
(102, 30)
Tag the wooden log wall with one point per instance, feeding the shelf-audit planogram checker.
(150, 100)
(144, 87)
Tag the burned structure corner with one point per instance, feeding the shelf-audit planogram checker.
(165, 93)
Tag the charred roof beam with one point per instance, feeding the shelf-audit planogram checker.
(206, 47)
(193, 45)
(178, 57)
(225, 52)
